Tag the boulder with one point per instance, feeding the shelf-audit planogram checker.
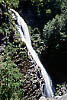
(64, 97)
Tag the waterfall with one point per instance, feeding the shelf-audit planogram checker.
(24, 33)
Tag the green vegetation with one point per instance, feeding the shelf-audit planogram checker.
(43, 10)
(37, 42)
(10, 3)
(48, 31)
(55, 31)
(11, 81)
(61, 89)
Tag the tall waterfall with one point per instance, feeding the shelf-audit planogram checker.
(24, 33)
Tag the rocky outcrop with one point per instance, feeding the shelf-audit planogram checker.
(64, 97)
(31, 85)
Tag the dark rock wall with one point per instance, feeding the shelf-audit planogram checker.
(55, 61)
(31, 85)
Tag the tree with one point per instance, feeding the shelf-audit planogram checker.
(11, 79)
(43, 10)
(55, 31)
(10, 3)
(55, 39)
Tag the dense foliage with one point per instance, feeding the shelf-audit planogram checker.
(55, 39)
(55, 31)
(47, 21)
(11, 79)
(10, 3)
(41, 11)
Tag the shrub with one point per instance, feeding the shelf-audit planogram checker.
(55, 32)
(11, 79)
(10, 3)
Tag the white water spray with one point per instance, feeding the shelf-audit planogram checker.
(24, 32)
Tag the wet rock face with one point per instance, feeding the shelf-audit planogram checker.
(31, 86)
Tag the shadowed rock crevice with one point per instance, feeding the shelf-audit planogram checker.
(55, 61)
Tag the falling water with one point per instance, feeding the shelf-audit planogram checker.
(24, 33)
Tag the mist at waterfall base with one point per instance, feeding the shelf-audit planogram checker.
(24, 34)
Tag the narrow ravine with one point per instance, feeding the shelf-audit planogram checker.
(24, 33)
